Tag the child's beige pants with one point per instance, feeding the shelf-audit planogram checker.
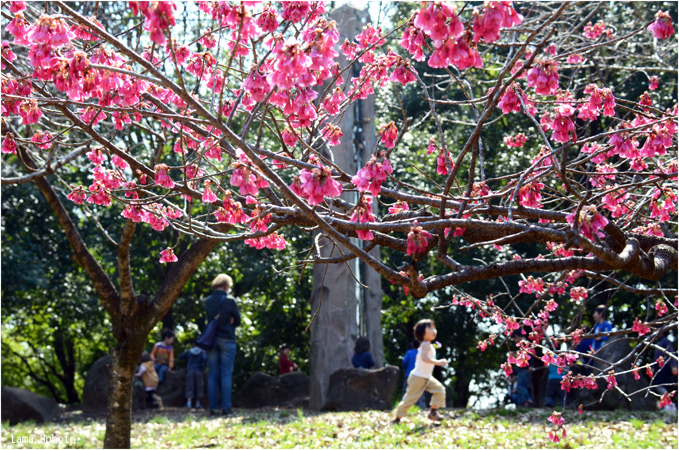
(416, 387)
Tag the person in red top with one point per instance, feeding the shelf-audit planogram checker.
(284, 363)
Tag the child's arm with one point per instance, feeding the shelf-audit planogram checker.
(142, 369)
(425, 356)
(171, 358)
(153, 352)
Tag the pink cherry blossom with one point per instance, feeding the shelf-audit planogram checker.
(315, 184)
(364, 214)
(42, 140)
(578, 294)
(495, 14)
(413, 41)
(515, 141)
(168, 256)
(373, 174)
(544, 77)
(19, 28)
(29, 112)
(8, 144)
(529, 195)
(162, 177)
(562, 125)
(398, 207)
(575, 58)
(594, 31)
(331, 104)
(439, 21)
(77, 195)
(661, 307)
(388, 134)
(640, 327)
(208, 195)
(654, 82)
(417, 240)
(662, 27)
(332, 134)
(532, 285)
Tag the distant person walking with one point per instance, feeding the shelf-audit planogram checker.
(221, 357)
(362, 358)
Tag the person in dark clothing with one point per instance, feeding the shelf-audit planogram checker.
(665, 378)
(221, 357)
(362, 358)
(195, 367)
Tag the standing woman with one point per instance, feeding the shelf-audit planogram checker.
(221, 357)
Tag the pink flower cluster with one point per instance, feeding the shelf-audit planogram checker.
(315, 184)
(495, 14)
(544, 77)
(388, 134)
(168, 256)
(640, 327)
(529, 195)
(373, 174)
(598, 98)
(532, 285)
(661, 307)
(662, 27)
(245, 178)
(591, 222)
(364, 214)
(594, 31)
(515, 141)
(562, 125)
(272, 241)
(417, 240)
(159, 17)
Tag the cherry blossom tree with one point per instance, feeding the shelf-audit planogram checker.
(227, 134)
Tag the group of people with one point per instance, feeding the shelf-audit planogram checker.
(219, 359)
(418, 363)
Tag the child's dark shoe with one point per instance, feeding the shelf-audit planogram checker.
(435, 415)
(396, 421)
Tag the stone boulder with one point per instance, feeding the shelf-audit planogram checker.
(19, 405)
(359, 389)
(171, 390)
(95, 391)
(289, 390)
(614, 350)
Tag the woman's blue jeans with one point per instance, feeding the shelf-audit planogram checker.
(220, 364)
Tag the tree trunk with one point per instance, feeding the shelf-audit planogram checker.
(335, 290)
(124, 358)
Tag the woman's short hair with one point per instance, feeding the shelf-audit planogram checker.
(222, 280)
(420, 327)
(362, 345)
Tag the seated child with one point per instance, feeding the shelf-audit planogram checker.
(362, 358)
(149, 377)
(163, 354)
(284, 363)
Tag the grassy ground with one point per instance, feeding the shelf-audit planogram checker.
(282, 428)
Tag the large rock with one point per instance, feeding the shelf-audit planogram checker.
(19, 405)
(614, 350)
(290, 390)
(95, 392)
(359, 389)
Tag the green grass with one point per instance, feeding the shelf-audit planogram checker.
(284, 428)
